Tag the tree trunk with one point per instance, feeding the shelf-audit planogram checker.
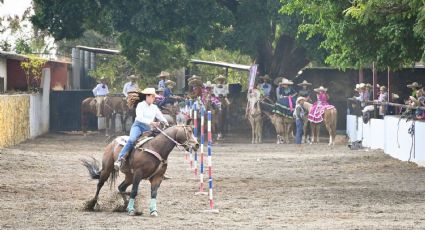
(286, 60)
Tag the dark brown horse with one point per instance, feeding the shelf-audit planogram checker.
(113, 105)
(149, 163)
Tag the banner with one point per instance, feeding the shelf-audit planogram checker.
(252, 75)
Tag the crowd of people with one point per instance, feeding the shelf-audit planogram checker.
(364, 94)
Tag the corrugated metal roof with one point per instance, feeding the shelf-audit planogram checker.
(11, 55)
(221, 64)
(98, 50)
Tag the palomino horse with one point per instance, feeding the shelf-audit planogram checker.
(253, 113)
(281, 123)
(149, 162)
(329, 118)
(113, 105)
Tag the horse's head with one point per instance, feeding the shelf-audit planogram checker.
(185, 137)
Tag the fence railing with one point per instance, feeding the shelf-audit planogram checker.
(378, 103)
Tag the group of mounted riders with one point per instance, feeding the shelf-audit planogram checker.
(282, 109)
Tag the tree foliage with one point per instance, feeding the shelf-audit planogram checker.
(161, 34)
(359, 32)
(32, 67)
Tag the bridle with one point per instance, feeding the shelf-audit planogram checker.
(178, 145)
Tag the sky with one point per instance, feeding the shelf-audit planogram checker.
(14, 7)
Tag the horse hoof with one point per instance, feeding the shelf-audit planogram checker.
(154, 213)
(132, 213)
(90, 205)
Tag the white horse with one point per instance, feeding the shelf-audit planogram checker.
(253, 114)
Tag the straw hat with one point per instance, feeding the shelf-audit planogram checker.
(357, 87)
(220, 78)
(300, 98)
(160, 90)
(169, 82)
(367, 85)
(383, 88)
(266, 77)
(321, 89)
(208, 84)
(132, 77)
(414, 85)
(286, 82)
(149, 91)
(195, 82)
(304, 83)
(362, 85)
(414, 100)
(194, 77)
(164, 74)
(395, 96)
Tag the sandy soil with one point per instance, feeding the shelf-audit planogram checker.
(264, 186)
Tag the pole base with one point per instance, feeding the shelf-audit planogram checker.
(211, 211)
(201, 193)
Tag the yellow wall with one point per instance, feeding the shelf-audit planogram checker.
(14, 119)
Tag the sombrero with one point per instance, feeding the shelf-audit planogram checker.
(321, 88)
(304, 83)
(193, 78)
(132, 77)
(160, 90)
(266, 77)
(220, 78)
(382, 88)
(208, 84)
(169, 82)
(195, 82)
(286, 82)
(357, 87)
(163, 74)
(414, 85)
(149, 91)
(367, 85)
(277, 80)
(299, 99)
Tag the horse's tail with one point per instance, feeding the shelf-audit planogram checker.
(93, 168)
(95, 172)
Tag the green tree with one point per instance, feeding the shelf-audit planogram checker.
(32, 67)
(164, 33)
(359, 32)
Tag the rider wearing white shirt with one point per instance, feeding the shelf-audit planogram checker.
(146, 112)
(131, 85)
(100, 92)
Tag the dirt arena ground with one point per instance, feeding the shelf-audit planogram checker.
(264, 186)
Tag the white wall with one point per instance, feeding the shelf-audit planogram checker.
(391, 135)
(40, 108)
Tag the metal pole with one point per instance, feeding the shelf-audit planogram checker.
(389, 73)
(374, 80)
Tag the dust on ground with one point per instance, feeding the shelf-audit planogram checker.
(256, 186)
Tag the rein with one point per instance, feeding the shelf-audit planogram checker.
(178, 145)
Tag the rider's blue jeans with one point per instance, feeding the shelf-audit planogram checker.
(299, 123)
(136, 130)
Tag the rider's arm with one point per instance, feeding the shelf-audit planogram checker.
(95, 90)
(124, 91)
(160, 116)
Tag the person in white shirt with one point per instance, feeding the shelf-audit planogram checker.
(100, 92)
(162, 79)
(131, 85)
(146, 112)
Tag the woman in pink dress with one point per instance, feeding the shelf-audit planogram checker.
(316, 112)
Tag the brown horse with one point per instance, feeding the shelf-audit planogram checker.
(113, 105)
(329, 118)
(149, 162)
(253, 114)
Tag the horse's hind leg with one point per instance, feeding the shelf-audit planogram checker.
(104, 175)
(123, 187)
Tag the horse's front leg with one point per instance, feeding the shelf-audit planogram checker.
(155, 183)
(136, 181)
(123, 187)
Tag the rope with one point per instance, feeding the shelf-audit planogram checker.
(411, 131)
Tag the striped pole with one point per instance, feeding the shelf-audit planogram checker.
(188, 104)
(210, 180)
(201, 174)
(195, 133)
